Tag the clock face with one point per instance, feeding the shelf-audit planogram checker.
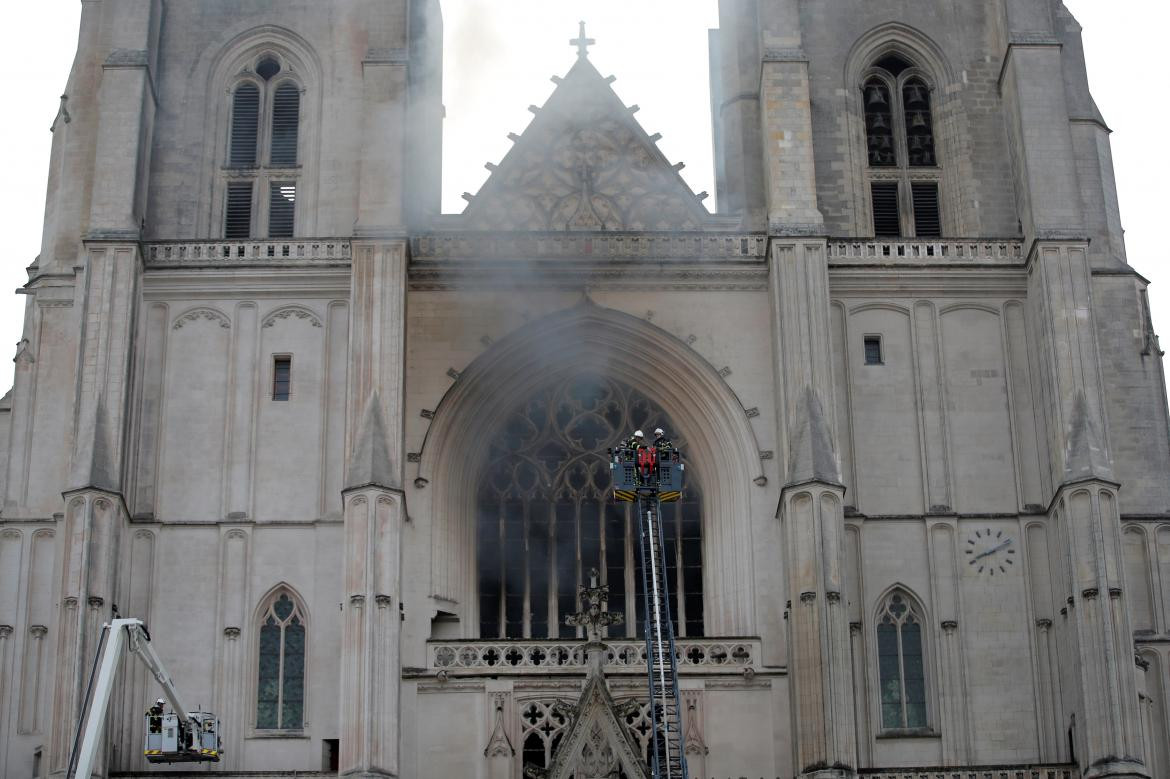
(990, 551)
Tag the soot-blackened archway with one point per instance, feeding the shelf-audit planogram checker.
(587, 338)
(545, 516)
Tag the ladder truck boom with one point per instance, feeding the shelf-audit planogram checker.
(172, 737)
(650, 475)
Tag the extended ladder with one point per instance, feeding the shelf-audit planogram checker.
(666, 749)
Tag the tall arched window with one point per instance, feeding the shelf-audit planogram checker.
(546, 516)
(262, 168)
(900, 144)
(901, 663)
(280, 685)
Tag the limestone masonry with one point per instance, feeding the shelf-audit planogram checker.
(345, 455)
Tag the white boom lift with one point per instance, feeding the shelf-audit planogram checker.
(179, 736)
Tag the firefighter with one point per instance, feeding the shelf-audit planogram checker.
(155, 714)
(661, 442)
(638, 439)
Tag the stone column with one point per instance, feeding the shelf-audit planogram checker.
(374, 509)
(1096, 668)
(812, 513)
(93, 520)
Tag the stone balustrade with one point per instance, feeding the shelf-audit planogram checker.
(730, 655)
(985, 772)
(223, 253)
(925, 252)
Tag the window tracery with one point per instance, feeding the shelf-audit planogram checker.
(262, 168)
(543, 724)
(280, 686)
(901, 664)
(903, 172)
(545, 516)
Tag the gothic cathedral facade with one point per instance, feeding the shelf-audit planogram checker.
(344, 453)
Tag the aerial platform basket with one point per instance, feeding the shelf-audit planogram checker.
(646, 470)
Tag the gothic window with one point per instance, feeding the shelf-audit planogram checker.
(901, 664)
(263, 168)
(546, 516)
(280, 686)
(900, 144)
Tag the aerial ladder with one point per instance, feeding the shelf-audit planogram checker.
(178, 736)
(650, 474)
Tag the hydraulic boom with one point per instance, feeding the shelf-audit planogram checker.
(179, 736)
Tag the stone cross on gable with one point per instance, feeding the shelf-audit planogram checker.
(592, 617)
(582, 43)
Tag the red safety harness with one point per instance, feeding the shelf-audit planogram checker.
(647, 461)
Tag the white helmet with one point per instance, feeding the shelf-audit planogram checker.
(659, 431)
(639, 434)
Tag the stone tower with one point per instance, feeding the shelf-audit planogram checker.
(345, 454)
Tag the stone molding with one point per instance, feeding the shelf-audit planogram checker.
(592, 245)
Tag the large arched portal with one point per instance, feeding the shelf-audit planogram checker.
(540, 363)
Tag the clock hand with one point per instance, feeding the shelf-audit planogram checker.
(993, 550)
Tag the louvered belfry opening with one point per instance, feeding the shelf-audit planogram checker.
(281, 209)
(238, 210)
(263, 153)
(904, 180)
(887, 222)
(245, 126)
(286, 114)
(927, 223)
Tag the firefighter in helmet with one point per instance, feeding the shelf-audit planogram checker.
(155, 714)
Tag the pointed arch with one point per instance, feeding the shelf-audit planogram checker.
(906, 135)
(902, 661)
(284, 141)
(281, 629)
(721, 442)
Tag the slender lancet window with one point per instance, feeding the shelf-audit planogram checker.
(280, 687)
(546, 516)
(900, 147)
(263, 149)
(901, 664)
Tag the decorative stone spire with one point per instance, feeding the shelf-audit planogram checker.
(93, 463)
(593, 618)
(1086, 457)
(812, 456)
(582, 43)
(370, 462)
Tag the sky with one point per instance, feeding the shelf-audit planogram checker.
(500, 56)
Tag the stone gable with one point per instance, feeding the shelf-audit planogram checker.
(585, 163)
